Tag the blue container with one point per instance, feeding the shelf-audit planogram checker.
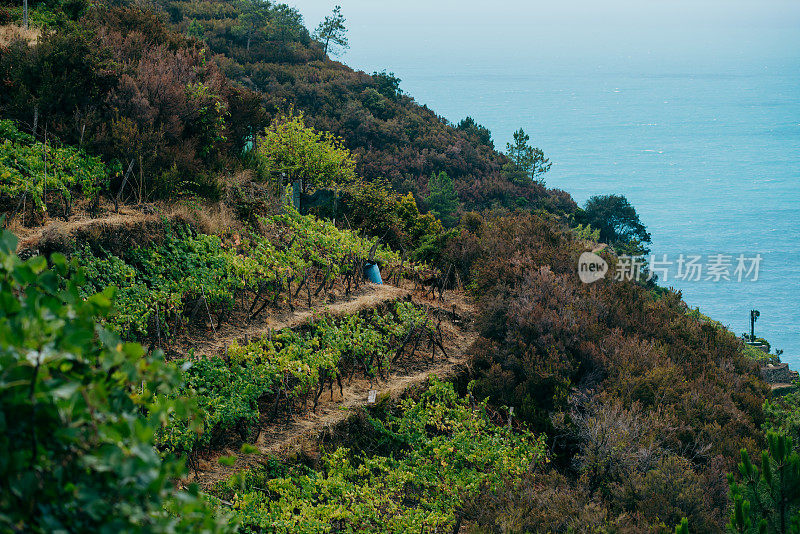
(372, 273)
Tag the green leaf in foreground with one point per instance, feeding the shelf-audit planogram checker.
(75, 453)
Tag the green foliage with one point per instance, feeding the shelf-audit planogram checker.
(115, 82)
(317, 159)
(587, 232)
(387, 84)
(374, 208)
(478, 131)
(319, 243)
(445, 450)
(759, 340)
(28, 168)
(251, 23)
(767, 500)
(49, 14)
(10, 132)
(248, 30)
(376, 103)
(156, 283)
(442, 198)
(121, 84)
(288, 365)
(75, 454)
(618, 222)
(759, 355)
(393, 137)
(682, 527)
(227, 401)
(782, 416)
(527, 162)
(159, 285)
(210, 122)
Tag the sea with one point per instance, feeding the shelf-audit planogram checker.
(689, 109)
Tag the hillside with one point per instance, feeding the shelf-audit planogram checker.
(183, 350)
(129, 101)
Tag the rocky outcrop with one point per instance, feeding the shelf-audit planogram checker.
(778, 374)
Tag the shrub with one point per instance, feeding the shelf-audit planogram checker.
(317, 159)
(549, 340)
(75, 454)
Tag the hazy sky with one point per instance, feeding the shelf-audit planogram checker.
(403, 35)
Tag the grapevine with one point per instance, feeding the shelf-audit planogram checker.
(291, 367)
(446, 450)
(29, 168)
(164, 287)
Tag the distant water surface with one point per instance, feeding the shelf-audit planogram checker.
(691, 110)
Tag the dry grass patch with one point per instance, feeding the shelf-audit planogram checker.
(208, 218)
(11, 32)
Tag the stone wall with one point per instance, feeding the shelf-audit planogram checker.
(778, 374)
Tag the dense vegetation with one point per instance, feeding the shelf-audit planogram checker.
(644, 405)
(75, 453)
(165, 286)
(290, 368)
(435, 452)
(123, 84)
(45, 177)
(636, 391)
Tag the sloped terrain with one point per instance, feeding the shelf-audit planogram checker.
(286, 436)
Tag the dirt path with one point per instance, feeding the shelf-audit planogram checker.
(283, 439)
(369, 296)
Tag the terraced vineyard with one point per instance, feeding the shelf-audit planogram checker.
(439, 450)
(262, 379)
(190, 276)
(182, 351)
(286, 371)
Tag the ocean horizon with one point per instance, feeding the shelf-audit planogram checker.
(698, 125)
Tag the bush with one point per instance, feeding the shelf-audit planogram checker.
(549, 341)
(783, 415)
(376, 209)
(75, 453)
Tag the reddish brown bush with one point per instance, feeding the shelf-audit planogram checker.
(632, 388)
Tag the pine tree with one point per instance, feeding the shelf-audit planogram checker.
(767, 500)
(332, 30)
(527, 162)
